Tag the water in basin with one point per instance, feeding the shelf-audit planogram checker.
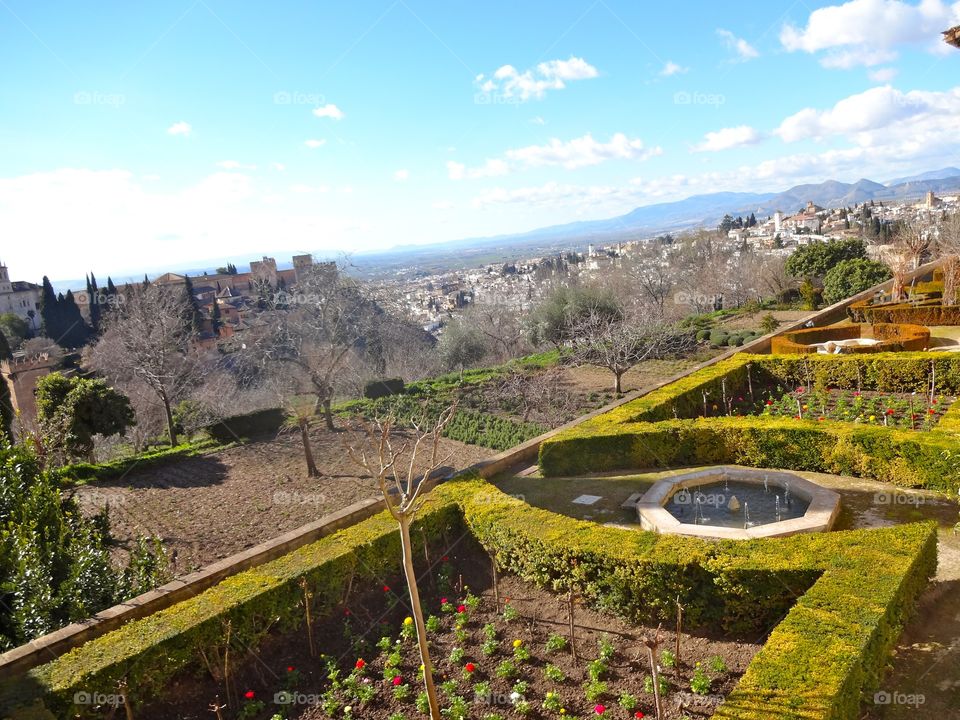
(735, 504)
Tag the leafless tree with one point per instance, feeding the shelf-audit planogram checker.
(300, 413)
(537, 395)
(503, 328)
(912, 239)
(649, 277)
(620, 344)
(948, 248)
(402, 493)
(310, 343)
(147, 338)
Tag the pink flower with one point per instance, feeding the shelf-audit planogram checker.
(397, 680)
(461, 608)
(599, 709)
(443, 601)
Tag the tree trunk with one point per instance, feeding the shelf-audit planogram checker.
(307, 449)
(616, 384)
(407, 547)
(328, 414)
(171, 430)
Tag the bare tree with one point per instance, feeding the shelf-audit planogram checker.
(300, 413)
(538, 395)
(913, 240)
(948, 247)
(649, 277)
(503, 328)
(620, 344)
(147, 337)
(402, 494)
(310, 343)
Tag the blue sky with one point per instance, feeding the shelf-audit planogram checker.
(137, 136)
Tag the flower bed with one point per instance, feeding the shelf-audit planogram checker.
(854, 587)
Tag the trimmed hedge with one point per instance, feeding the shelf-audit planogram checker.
(667, 427)
(86, 472)
(845, 595)
(922, 312)
(260, 422)
(148, 653)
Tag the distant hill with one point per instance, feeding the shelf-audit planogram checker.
(947, 172)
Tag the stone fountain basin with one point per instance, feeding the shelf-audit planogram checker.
(824, 504)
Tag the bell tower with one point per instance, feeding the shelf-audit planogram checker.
(5, 286)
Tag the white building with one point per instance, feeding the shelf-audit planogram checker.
(19, 298)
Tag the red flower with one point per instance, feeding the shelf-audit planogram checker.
(599, 709)
(469, 667)
(346, 611)
(361, 663)
(638, 714)
(386, 588)
(461, 608)
(821, 419)
(445, 558)
(397, 680)
(443, 601)
(889, 411)
(249, 694)
(801, 390)
(290, 668)
(932, 411)
(769, 402)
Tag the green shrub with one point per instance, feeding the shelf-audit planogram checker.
(383, 388)
(260, 422)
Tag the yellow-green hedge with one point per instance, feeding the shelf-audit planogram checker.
(845, 596)
(666, 427)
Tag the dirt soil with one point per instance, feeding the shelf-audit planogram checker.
(207, 508)
(283, 663)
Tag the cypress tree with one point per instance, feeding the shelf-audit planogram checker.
(111, 288)
(75, 331)
(193, 307)
(215, 321)
(93, 292)
(52, 325)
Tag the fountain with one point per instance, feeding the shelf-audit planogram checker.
(743, 503)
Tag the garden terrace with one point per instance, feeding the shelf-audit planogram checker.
(854, 588)
(882, 337)
(690, 422)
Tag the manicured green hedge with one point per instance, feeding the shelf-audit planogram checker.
(260, 422)
(930, 311)
(86, 472)
(645, 433)
(845, 596)
(149, 652)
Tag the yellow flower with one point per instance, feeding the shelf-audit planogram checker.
(872, 418)
(408, 621)
(517, 643)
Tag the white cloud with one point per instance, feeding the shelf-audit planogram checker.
(329, 111)
(442, 205)
(582, 151)
(538, 120)
(180, 128)
(508, 82)
(314, 144)
(491, 168)
(868, 32)
(880, 108)
(401, 175)
(728, 138)
(882, 75)
(672, 68)
(744, 51)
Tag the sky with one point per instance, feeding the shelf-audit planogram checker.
(136, 137)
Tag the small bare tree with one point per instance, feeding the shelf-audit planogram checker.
(913, 240)
(300, 413)
(948, 248)
(402, 493)
(147, 337)
(619, 344)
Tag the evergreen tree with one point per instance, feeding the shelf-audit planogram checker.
(146, 281)
(5, 353)
(52, 325)
(75, 332)
(111, 288)
(215, 322)
(192, 307)
(93, 292)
